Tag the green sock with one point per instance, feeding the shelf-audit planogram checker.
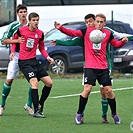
(5, 92)
(104, 103)
(29, 102)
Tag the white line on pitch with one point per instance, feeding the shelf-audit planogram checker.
(72, 95)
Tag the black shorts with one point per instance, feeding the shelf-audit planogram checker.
(101, 75)
(31, 68)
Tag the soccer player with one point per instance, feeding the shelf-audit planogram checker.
(13, 67)
(79, 41)
(30, 66)
(96, 67)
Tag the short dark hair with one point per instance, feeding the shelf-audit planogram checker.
(89, 16)
(32, 15)
(21, 6)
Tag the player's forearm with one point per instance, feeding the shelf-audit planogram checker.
(13, 48)
(10, 41)
(42, 50)
(117, 44)
(70, 32)
(74, 42)
(44, 53)
(64, 43)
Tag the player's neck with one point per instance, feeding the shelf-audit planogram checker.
(32, 28)
(23, 22)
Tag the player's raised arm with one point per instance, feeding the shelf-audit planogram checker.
(57, 25)
(67, 31)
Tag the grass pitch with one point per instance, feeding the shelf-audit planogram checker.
(61, 106)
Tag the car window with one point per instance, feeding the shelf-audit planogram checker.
(55, 34)
(118, 28)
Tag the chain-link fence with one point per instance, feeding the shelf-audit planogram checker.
(47, 24)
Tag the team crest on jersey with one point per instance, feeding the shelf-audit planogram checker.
(36, 35)
(97, 46)
(30, 43)
(104, 34)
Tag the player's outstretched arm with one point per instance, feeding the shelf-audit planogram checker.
(67, 31)
(118, 44)
(118, 35)
(77, 41)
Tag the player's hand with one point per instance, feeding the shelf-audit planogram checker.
(57, 25)
(125, 40)
(11, 56)
(21, 39)
(53, 43)
(51, 60)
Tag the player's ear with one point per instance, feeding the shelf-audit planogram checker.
(104, 23)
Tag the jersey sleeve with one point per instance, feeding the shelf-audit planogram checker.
(13, 46)
(41, 47)
(78, 41)
(70, 32)
(118, 35)
(116, 43)
(7, 34)
(83, 31)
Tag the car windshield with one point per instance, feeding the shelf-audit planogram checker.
(55, 34)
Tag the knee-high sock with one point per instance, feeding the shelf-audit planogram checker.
(104, 103)
(29, 102)
(112, 104)
(82, 104)
(5, 92)
(45, 93)
(35, 98)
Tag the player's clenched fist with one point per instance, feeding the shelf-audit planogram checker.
(125, 39)
(57, 25)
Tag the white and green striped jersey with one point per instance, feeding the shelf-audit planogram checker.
(118, 35)
(12, 29)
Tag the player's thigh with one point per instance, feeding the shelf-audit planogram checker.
(26, 66)
(47, 81)
(43, 76)
(104, 78)
(89, 76)
(13, 69)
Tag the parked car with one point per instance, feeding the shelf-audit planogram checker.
(69, 58)
(4, 56)
(123, 59)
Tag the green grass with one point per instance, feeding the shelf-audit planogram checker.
(60, 112)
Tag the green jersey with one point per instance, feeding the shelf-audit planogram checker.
(77, 41)
(12, 29)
